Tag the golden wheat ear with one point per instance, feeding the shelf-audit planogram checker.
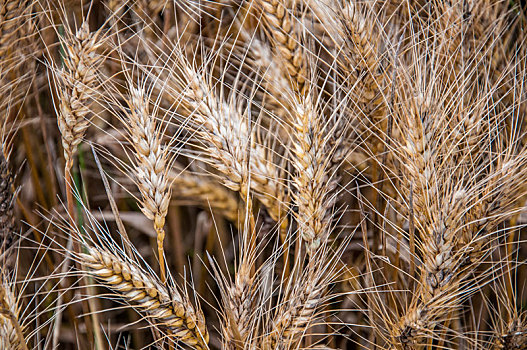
(75, 83)
(153, 162)
(225, 135)
(164, 306)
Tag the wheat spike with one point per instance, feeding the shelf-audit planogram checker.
(205, 192)
(164, 309)
(153, 164)
(280, 22)
(240, 299)
(75, 86)
(315, 177)
(299, 309)
(227, 135)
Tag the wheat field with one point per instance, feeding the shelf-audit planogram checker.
(263, 174)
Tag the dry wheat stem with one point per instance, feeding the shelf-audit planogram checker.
(163, 309)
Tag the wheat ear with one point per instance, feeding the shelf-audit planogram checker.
(361, 66)
(315, 174)
(153, 164)
(165, 309)
(11, 331)
(453, 241)
(279, 21)
(201, 190)
(75, 86)
(226, 133)
(239, 306)
(297, 311)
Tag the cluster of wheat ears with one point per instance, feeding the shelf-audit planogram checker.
(263, 174)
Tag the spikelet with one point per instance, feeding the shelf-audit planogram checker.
(165, 310)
